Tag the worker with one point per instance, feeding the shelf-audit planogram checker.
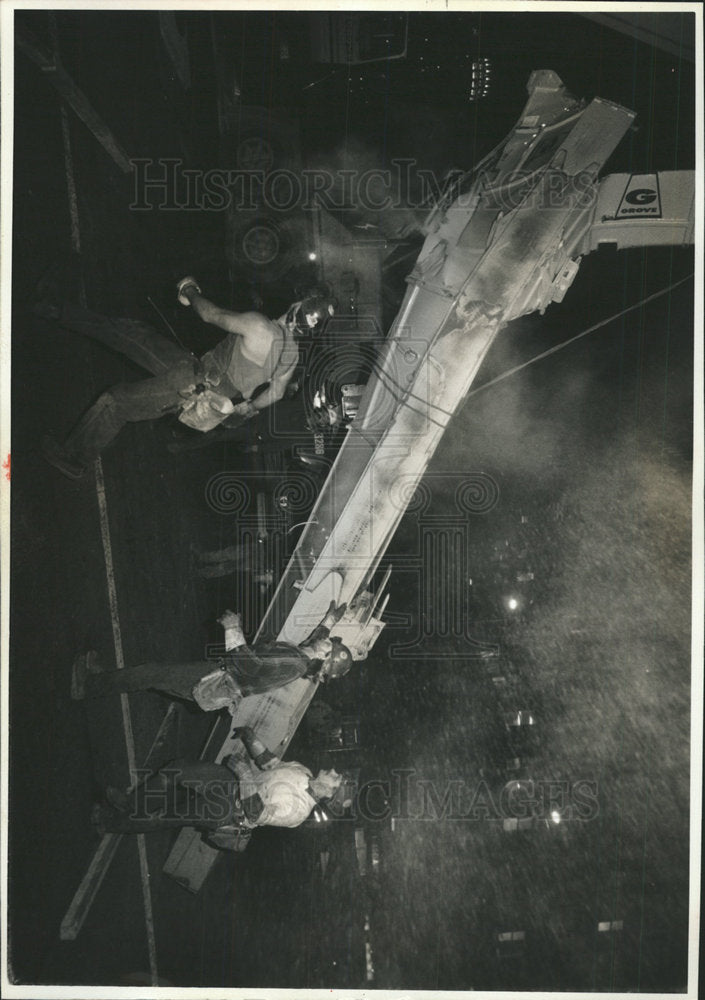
(240, 376)
(242, 671)
(251, 788)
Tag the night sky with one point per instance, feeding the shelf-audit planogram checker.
(586, 456)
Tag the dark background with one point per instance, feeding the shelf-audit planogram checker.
(591, 455)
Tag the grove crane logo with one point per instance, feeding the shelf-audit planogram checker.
(642, 197)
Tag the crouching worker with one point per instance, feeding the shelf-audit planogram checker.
(226, 801)
(244, 670)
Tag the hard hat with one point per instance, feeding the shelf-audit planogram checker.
(322, 305)
(338, 661)
(319, 306)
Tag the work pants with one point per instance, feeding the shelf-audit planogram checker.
(183, 793)
(174, 371)
(174, 679)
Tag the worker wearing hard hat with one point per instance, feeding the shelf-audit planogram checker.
(246, 372)
(251, 788)
(242, 671)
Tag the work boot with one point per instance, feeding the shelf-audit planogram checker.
(57, 455)
(84, 664)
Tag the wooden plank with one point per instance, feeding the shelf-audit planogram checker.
(73, 95)
(126, 716)
(176, 46)
(88, 889)
(95, 873)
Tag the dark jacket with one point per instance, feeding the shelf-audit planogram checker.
(266, 666)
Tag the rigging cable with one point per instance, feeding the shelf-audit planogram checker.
(578, 336)
(388, 378)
